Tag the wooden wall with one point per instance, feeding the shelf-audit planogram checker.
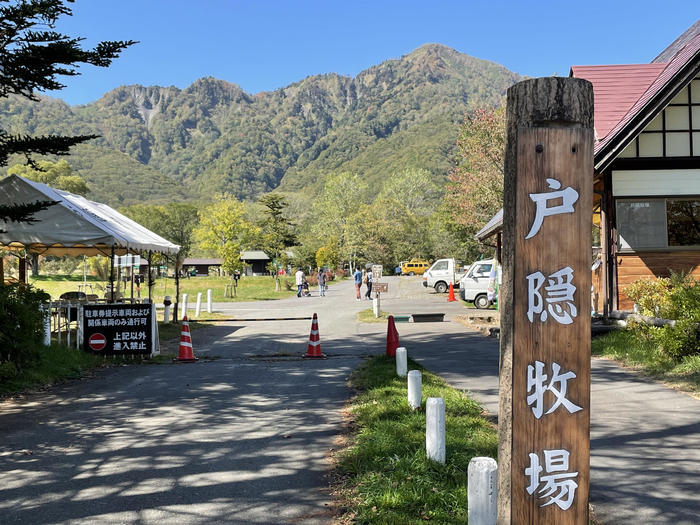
(631, 267)
(598, 292)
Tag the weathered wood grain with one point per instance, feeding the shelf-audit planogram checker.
(548, 103)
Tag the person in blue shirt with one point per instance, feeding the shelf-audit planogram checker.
(358, 282)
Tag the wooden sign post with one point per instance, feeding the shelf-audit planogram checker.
(544, 406)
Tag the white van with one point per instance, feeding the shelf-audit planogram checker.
(474, 285)
(442, 274)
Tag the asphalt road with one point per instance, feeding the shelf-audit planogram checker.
(244, 437)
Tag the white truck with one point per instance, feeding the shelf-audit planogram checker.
(475, 284)
(442, 273)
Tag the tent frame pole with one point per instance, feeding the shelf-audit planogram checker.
(111, 277)
(177, 288)
(150, 280)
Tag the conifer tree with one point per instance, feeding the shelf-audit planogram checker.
(33, 55)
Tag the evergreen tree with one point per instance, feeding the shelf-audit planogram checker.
(277, 231)
(32, 57)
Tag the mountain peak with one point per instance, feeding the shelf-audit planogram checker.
(399, 114)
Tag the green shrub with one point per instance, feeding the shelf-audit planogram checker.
(7, 371)
(680, 340)
(21, 324)
(677, 298)
(684, 297)
(651, 296)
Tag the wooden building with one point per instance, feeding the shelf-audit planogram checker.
(202, 265)
(256, 262)
(646, 170)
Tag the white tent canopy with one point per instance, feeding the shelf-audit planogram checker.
(74, 226)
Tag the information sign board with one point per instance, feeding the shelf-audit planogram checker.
(380, 287)
(119, 329)
(376, 272)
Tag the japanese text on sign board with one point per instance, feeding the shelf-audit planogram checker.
(551, 297)
(125, 328)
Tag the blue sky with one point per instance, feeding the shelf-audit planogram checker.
(263, 45)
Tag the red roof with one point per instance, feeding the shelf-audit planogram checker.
(615, 90)
(670, 70)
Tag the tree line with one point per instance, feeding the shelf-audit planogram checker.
(349, 220)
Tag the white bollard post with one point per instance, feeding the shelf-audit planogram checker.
(209, 300)
(376, 306)
(435, 429)
(198, 308)
(401, 361)
(68, 322)
(184, 304)
(166, 309)
(482, 491)
(415, 378)
(47, 324)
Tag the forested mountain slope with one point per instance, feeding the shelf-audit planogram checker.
(162, 143)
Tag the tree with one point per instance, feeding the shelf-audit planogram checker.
(277, 230)
(58, 175)
(341, 197)
(22, 212)
(328, 255)
(175, 222)
(223, 230)
(386, 232)
(415, 188)
(32, 57)
(475, 187)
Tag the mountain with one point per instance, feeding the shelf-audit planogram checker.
(213, 137)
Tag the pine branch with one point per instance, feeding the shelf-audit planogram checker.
(23, 212)
(43, 145)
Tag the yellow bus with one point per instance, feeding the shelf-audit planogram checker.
(414, 267)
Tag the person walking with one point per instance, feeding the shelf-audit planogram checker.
(299, 276)
(358, 282)
(321, 282)
(368, 293)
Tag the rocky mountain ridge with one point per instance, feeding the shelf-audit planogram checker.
(214, 137)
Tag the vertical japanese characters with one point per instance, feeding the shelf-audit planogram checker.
(551, 299)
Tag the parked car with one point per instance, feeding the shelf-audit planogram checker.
(414, 267)
(474, 285)
(442, 273)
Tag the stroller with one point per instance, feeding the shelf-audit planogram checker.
(305, 289)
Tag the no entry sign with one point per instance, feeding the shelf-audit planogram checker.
(97, 342)
(119, 329)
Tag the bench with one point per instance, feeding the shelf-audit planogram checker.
(428, 318)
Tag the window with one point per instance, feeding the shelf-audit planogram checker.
(442, 265)
(482, 269)
(683, 218)
(672, 133)
(658, 223)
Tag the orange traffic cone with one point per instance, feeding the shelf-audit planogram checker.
(314, 348)
(186, 355)
(451, 296)
(392, 338)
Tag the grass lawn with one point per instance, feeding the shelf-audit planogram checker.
(367, 316)
(385, 476)
(58, 363)
(248, 289)
(624, 346)
(55, 364)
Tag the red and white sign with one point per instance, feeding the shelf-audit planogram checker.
(97, 342)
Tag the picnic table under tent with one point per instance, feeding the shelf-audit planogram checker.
(74, 225)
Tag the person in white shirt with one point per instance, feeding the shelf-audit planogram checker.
(299, 280)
